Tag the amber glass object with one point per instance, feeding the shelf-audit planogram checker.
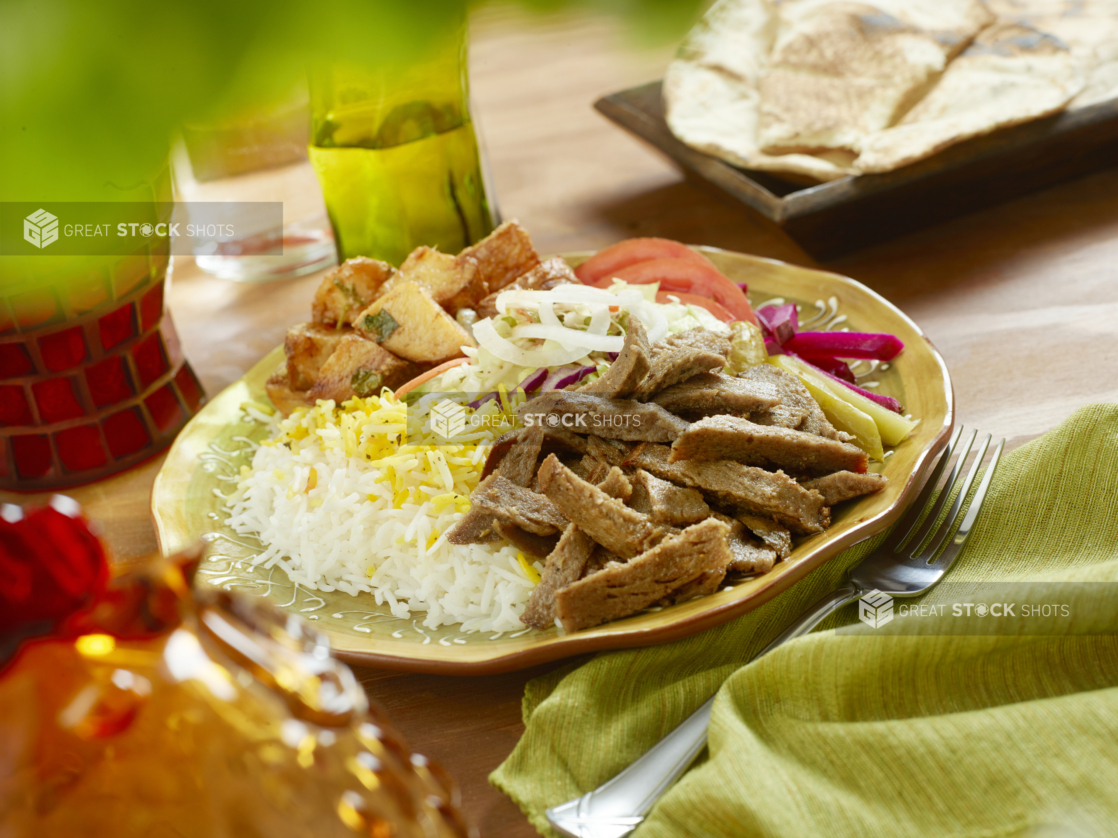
(132, 708)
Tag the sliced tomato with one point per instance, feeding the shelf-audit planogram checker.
(678, 276)
(695, 300)
(600, 268)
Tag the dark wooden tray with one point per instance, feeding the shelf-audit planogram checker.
(827, 219)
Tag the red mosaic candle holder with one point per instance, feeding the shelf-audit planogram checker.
(92, 376)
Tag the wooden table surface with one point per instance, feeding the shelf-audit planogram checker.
(1021, 299)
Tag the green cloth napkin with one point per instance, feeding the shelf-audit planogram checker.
(863, 733)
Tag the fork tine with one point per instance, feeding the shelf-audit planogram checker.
(960, 498)
(963, 533)
(914, 541)
(912, 515)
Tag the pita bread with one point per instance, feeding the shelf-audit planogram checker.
(1089, 28)
(713, 100)
(1010, 74)
(711, 93)
(842, 70)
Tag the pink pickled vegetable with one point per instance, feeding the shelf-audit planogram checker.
(837, 368)
(772, 347)
(780, 321)
(887, 402)
(879, 347)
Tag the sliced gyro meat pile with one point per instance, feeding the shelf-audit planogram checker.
(636, 505)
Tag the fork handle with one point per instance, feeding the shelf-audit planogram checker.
(815, 615)
(615, 808)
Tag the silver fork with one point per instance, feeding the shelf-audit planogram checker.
(898, 568)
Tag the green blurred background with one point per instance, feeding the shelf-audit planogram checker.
(92, 92)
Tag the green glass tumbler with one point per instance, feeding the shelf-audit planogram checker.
(395, 150)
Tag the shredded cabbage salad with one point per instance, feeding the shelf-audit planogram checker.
(572, 332)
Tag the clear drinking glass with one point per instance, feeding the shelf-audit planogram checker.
(225, 169)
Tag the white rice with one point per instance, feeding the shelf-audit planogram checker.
(378, 528)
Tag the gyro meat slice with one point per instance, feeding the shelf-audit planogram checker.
(530, 544)
(475, 527)
(621, 419)
(610, 451)
(628, 370)
(519, 464)
(618, 590)
(673, 364)
(667, 503)
(797, 409)
(601, 456)
(750, 554)
(844, 485)
(616, 485)
(554, 439)
(734, 438)
(514, 504)
(348, 290)
(569, 560)
(713, 393)
(772, 535)
(607, 520)
(359, 367)
(704, 584)
(698, 338)
(745, 488)
(564, 565)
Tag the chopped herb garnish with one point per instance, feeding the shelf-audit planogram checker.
(381, 325)
(350, 291)
(365, 383)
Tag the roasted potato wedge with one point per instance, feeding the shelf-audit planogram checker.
(443, 275)
(348, 289)
(286, 399)
(543, 277)
(307, 347)
(408, 322)
(500, 258)
(359, 367)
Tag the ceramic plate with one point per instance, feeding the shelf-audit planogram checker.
(204, 463)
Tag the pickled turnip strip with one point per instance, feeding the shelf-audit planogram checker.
(877, 347)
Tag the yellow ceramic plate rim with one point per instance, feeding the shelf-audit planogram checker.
(926, 390)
